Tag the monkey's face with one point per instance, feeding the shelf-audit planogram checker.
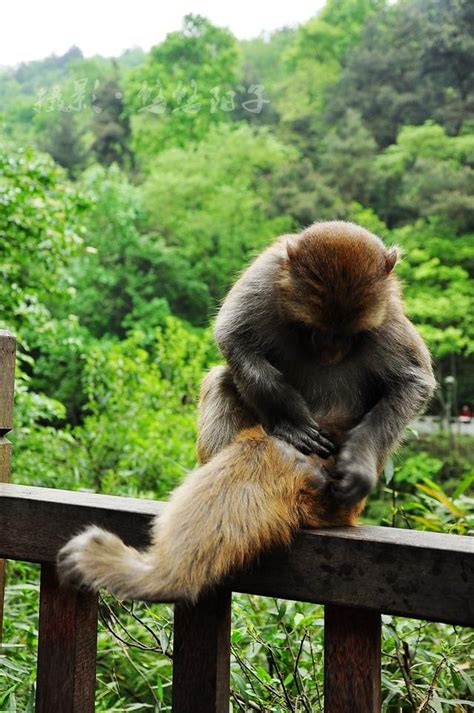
(328, 347)
(332, 347)
(335, 282)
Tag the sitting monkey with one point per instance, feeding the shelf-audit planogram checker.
(324, 371)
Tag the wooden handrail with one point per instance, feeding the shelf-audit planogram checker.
(422, 575)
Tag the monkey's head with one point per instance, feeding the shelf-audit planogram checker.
(336, 281)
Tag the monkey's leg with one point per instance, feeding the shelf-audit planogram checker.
(222, 413)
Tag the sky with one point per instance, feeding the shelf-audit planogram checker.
(34, 29)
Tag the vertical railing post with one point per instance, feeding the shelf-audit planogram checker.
(7, 388)
(352, 660)
(201, 655)
(67, 645)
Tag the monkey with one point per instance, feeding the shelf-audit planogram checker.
(316, 338)
(323, 373)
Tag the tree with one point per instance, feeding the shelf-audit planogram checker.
(141, 408)
(40, 234)
(313, 63)
(427, 174)
(129, 277)
(346, 158)
(262, 66)
(183, 87)
(66, 144)
(300, 191)
(111, 126)
(211, 202)
(448, 58)
(414, 62)
(334, 31)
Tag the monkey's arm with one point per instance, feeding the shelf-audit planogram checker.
(247, 328)
(409, 384)
(280, 408)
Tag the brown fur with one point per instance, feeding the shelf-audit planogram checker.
(251, 496)
(337, 276)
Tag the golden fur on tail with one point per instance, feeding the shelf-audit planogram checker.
(253, 495)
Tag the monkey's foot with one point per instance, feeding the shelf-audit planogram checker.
(83, 561)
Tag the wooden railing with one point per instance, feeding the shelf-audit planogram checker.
(356, 573)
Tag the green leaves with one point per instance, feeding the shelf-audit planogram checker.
(427, 174)
(218, 218)
(171, 97)
(40, 231)
(438, 287)
(139, 431)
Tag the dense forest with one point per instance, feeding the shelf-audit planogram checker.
(132, 191)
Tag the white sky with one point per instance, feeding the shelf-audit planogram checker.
(33, 29)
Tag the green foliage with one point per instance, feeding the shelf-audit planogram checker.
(262, 65)
(169, 97)
(110, 126)
(277, 656)
(427, 173)
(66, 143)
(40, 231)
(346, 158)
(140, 428)
(428, 486)
(334, 31)
(134, 275)
(40, 234)
(112, 234)
(218, 217)
(439, 289)
(414, 63)
(137, 429)
(315, 57)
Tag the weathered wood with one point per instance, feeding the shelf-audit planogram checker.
(201, 655)
(352, 660)
(5, 465)
(7, 380)
(422, 575)
(67, 646)
(5, 459)
(47, 517)
(7, 387)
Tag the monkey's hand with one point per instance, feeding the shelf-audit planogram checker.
(307, 439)
(354, 476)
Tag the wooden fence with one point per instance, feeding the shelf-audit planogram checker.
(357, 573)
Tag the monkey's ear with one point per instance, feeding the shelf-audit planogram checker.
(391, 257)
(291, 248)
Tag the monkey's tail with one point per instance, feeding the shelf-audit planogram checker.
(249, 497)
(97, 558)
